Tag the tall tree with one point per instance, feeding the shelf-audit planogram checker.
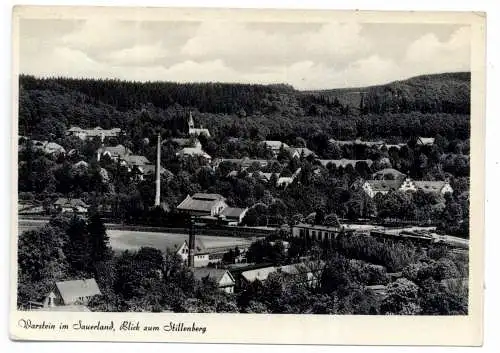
(100, 249)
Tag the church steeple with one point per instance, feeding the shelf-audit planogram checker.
(191, 121)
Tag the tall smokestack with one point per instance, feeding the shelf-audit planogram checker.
(158, 174)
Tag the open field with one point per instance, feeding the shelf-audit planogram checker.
(133, 240)
(121, 240)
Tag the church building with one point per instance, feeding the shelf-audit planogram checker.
(193, 131)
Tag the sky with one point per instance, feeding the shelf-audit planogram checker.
(304, 55)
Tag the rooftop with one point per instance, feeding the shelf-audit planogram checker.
(382, 174)
(118, 150)
(68, 202)
(233, 212)
(136, 160)
(429, 186)
(77, 288)
(216, 274)
(262, 274)
(200, 202)
(384, 185)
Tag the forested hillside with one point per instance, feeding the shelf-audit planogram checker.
(419, 106)
(440, 93)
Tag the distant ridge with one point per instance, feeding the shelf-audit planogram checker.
(50, 105)
(445, 92)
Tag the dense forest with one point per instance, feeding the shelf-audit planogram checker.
(426, 105)
(440, 93)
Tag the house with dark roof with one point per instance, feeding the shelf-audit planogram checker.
(203, 204)
(75, 292)
(132, 160)
(150, 169)
(221, 277)
(69, 205)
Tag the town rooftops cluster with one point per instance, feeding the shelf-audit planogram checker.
(83, 134)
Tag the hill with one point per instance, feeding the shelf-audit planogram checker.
(47, 107)
(437, 93)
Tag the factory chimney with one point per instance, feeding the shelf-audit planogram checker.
(158, 174)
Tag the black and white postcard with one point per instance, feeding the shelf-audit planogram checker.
(247, 176)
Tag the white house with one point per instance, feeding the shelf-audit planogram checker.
(201, 255)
